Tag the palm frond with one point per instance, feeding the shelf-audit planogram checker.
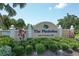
(10, 10)
(1, 6)
(21, 5)
(15, 5)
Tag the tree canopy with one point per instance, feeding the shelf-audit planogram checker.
(7, 21)
(20, 23)
(69, 20)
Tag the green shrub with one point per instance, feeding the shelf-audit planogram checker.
(64, 46)
(18, 49)
(5, 51)
(40, 48)
(33, 42)
(72, 43)
(29, 49)
(53, 46)
(46, 43)
(55, 39)
(6, 40)
(29, 38)
(75, 45)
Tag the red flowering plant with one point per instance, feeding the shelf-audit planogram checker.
(21, 34)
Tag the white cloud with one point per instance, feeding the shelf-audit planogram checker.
(61, 5)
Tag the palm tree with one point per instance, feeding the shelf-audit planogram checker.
(10, 9)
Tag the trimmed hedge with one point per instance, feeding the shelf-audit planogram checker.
(18, 50)
(40, 48)
(55, 43)
(53, 46)
(29, 49)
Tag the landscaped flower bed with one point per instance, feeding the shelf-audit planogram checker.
(39, 45)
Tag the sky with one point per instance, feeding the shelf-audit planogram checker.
(34, 13)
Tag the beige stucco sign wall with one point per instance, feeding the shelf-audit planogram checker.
(45, 29)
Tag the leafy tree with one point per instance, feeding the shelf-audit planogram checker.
(13, 22)
(20, 23)
(7, 21)
(69, 20)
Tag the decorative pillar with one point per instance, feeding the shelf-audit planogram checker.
(71, 31)
(12, 32)
(0, 31)
(29, 31)
(60, 30)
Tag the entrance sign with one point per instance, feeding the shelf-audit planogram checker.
(48, 29)
(45, 29)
